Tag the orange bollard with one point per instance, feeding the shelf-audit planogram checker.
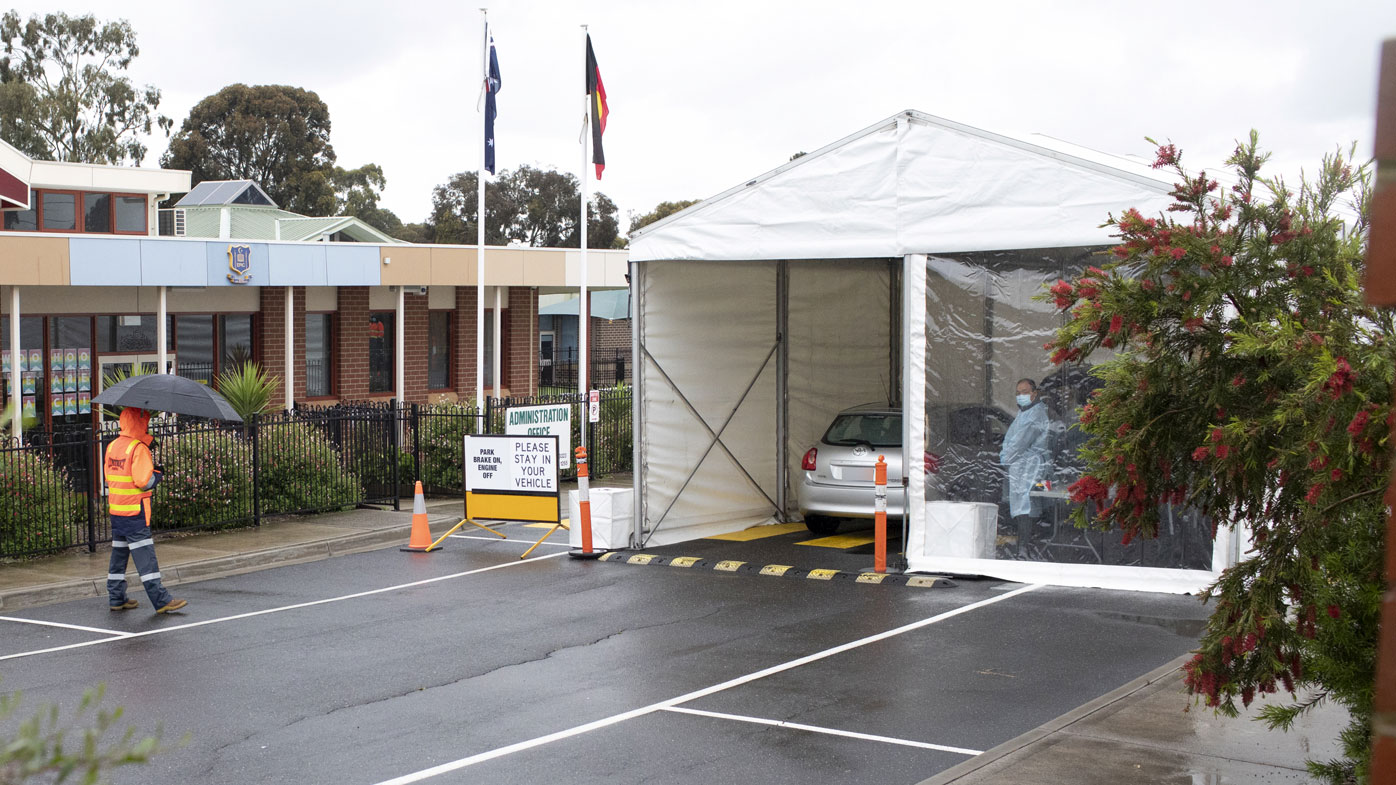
(880, 515)
(420, 541)
(583, 508)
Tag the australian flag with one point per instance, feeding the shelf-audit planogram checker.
(492, 85)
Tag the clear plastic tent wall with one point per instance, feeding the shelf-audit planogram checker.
(1001, 505)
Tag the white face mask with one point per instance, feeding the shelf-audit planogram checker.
(1024, 401)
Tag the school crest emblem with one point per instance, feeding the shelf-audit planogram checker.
(240, 262)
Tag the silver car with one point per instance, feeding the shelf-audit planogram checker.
(837, 473)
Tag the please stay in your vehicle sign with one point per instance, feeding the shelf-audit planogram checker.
(511, 478)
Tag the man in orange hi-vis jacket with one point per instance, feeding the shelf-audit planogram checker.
(131, 479)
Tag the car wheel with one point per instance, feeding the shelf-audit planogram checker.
(821, 525)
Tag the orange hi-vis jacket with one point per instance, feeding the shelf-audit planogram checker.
(129, 468)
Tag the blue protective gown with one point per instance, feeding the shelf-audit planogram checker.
(1026, 456)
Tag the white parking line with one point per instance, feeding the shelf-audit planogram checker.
(119, 636)
(830, 731)
(706, 691)
(117, 633)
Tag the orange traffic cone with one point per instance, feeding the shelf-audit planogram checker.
(420, 542)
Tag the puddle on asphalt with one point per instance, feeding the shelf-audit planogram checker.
(1187, 628)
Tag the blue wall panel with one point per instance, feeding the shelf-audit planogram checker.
(104, 262)
(352, 265)
(173, 263)
(297, 265)
(218, 269)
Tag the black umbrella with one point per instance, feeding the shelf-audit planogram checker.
(165, 392)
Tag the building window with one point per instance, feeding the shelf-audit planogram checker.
(96, 211)
(130, 214)
(60, 211)
(235, 340)
(382, 345)
(487, 373)
(439, 350)
(317, 355)
(24, 220)
(194, 334)
(131, 334)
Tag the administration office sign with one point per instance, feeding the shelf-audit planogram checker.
(552, 419)
(511, 478)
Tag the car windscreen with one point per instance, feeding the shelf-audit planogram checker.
(877, 430)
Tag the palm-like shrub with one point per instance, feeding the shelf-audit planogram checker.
(248, 389)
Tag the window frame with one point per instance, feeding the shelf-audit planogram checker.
(389, 324)
(331, 379)
(450, 349)
(80, 207)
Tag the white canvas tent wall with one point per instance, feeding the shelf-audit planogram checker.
(764, 310)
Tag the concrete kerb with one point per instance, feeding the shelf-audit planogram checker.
(964, 771)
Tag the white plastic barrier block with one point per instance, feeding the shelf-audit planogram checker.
(961, 529)
(612, 514)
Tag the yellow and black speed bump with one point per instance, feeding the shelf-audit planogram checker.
(777, 570)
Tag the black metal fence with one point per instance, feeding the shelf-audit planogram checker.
(307, 460)
(608, 368)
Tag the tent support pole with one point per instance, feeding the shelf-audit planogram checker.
(782, 390)
(717, 435)
(913, 358)
(637, 315)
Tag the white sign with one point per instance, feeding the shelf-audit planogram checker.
(553, 419)
(511, 464)
(594, 407)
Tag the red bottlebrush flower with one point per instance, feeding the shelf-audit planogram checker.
(1201, 454)
(1064, 294)
(1177, 253)
(1359, 423)
(1088, 488)
(1250, 642)
(1148, 285)
(1088, 413)
(1217, 435)
(1193, 325)
(1315, 491)
(1122, 430)
(1238, 380)
(1247, 695)
(1342, 379)
(1116, 322)
(1187, 295)
(1167, 156)
(1223, 451)
(1088, 288)
(1093, 270)
(1336, 474)
(1334, 611)
(1225, 261)
(1108, 342)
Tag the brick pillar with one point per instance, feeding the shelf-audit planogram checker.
(351, 343)
(463, 363)
(521, 353)
(298, 297)
(1381, 290)
(272, 331)
(414, 347)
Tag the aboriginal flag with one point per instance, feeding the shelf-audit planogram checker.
(596, 92)
(492, 85)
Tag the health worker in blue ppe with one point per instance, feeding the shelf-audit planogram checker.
(1027, 457)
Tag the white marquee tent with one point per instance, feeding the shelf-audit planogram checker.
(897, 265)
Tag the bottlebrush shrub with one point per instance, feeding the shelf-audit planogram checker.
(207, 480)
(1251, 382)
(39, 511)
(301, 471)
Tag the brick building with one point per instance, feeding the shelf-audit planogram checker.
(85, 273)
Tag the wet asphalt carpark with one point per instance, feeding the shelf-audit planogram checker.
(584, 671)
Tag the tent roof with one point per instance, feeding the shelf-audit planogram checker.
(609, 304)
(912, 183)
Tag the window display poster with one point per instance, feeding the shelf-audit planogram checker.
(84, 403)
(28, 383)
(70, 403)
(55, 359)
(29, 410)
(36, 360)
(56, 381)
(23, 360)
(85, 358)
(70, 380)
(84, 379)
(57, 405)
(70, 359)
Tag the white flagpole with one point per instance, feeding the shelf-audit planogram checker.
(480, 237)
(582, 310)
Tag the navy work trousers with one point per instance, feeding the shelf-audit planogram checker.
(130, 536)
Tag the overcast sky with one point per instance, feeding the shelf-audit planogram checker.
(706, 94)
